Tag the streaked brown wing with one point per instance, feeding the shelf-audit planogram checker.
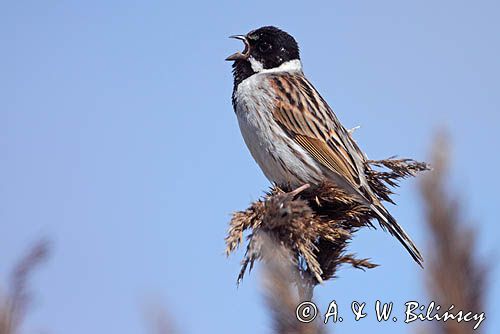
(308, 119)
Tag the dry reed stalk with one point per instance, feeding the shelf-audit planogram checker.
(456, 276)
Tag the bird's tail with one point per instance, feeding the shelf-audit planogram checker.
(389, 222)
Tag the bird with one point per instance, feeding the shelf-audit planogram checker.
(291, 131)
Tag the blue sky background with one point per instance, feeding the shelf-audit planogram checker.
(118, 141)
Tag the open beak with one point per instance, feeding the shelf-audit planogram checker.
(240, 55)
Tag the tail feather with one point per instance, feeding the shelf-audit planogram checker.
(389, 222)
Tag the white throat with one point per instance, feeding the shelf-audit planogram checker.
(289, 66)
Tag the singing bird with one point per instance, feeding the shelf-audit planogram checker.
(290, 130)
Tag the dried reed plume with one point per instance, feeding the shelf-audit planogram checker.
(14, 304)
(456, 276)
(314, 224)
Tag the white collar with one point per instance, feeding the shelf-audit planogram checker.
(289, 66)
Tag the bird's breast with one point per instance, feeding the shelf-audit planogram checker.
(281, 159)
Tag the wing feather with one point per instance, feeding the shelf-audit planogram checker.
(308, 119)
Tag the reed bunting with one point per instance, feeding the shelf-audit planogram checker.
(291, 131)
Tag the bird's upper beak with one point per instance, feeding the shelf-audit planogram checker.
(240, 55)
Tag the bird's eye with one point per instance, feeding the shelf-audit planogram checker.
(264, 47)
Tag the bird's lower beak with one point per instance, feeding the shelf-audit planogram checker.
(240, 55)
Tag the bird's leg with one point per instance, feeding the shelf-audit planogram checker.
(299, 189)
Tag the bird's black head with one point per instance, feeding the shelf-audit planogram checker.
(265, 48)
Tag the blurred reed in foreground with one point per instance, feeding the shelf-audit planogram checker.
(159, 320)
(15, 302)
(279, 277)
(455, 275)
